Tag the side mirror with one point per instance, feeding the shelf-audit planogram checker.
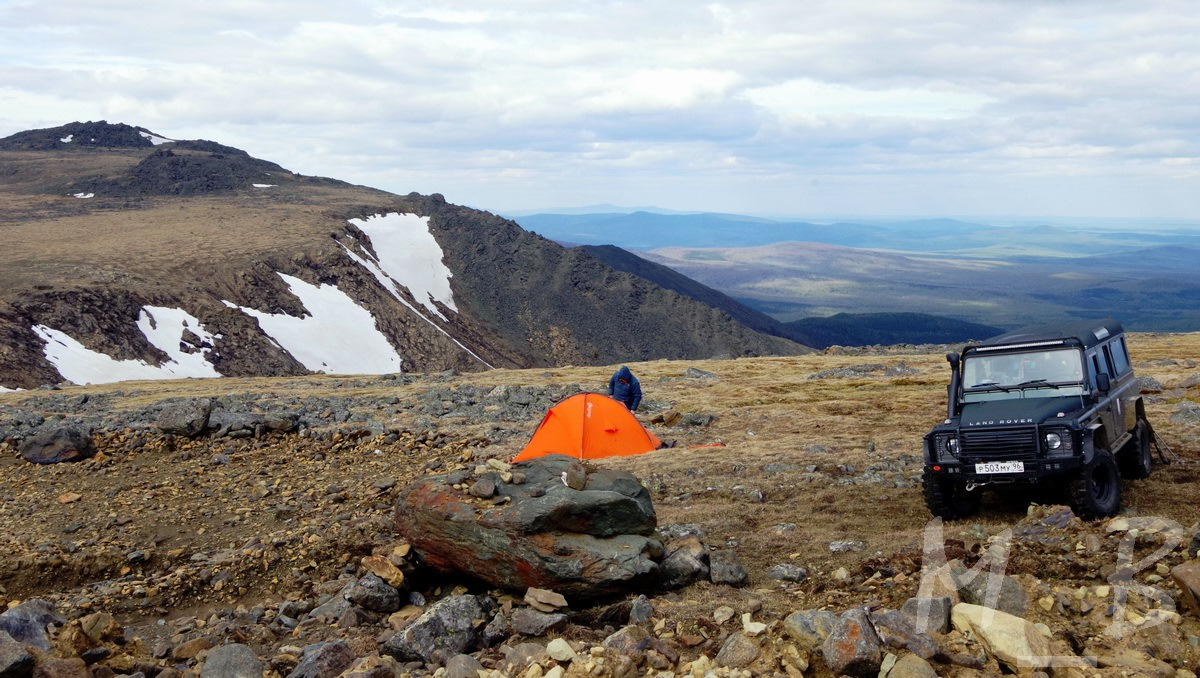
(1103, 382)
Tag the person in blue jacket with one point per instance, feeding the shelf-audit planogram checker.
(624, 386)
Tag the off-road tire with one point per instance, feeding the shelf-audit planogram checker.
(1136, 458)
(1095, 491)
(948, 500)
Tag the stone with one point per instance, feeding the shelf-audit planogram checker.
(234, 660)
(912, 666)
(1187, 578)
(929, 613)
(529, 622)
(990, 589)
(26, 623)
(190, 649)
(100, 626)
(15, 660)
(61, 668)
(544, 600)
(521, 656)
(750, 627)
(62, 444)
(787, 572)
(1010, 639)
(484, 488)
(724, 567)
(188, 418)
(374, 594)
(686, 561)
(463, 666)
(447, 628)
(324, 659)
(634, 641)
(897, 630)
(575, 476)
(588, 543)
(561, 651)
(1134, 663)
(723, 614)
(852, 647)
(739, 651)
(374, 666)
(809, 628)
(384, 569)
(640, 610)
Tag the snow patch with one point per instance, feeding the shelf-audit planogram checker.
(67, 139)
(163, 328)
(263, 185)
(409, 256)
(154, 138)
(84, 195)
(5, 389)
(338, 337)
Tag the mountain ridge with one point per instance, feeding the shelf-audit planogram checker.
(105, 238)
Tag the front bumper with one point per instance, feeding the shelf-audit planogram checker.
(1035, 471)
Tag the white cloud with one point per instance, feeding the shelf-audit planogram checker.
(549, 102)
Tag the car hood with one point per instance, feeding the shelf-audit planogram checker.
(1017, 411)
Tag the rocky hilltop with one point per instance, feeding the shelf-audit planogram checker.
(131, 255)
(287, 527)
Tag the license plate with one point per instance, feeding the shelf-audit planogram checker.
(1000, 467)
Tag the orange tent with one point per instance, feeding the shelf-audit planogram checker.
(589, 426)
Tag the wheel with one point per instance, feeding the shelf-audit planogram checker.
(1095, 491)
(1135, 458)
(947, 499)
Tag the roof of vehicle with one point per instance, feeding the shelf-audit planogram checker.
(1087, 332)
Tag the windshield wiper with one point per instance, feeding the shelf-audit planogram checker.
(1038, 382)
(990, 385)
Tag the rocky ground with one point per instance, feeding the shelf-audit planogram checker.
(233, 552)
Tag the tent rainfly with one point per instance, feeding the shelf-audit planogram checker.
(589, 426)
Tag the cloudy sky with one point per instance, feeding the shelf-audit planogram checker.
(805, 107)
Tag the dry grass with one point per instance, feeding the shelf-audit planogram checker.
(768, 412)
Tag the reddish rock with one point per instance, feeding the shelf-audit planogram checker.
(580, 543)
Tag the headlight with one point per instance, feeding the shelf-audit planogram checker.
(1059, 443)
(947, 446)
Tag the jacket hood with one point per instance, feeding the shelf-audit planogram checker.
(625, 374)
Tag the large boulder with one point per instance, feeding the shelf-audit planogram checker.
(56, 445)
(26, 623)
(581, 543)
(187, 418)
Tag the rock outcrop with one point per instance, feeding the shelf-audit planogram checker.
(534, 530)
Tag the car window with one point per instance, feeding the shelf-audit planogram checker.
(1120, 356)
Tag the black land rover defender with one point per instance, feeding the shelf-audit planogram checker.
(1052, 405)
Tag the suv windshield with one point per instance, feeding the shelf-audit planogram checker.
(993, 376)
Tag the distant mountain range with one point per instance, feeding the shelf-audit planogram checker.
(129, 255)
(995, 276)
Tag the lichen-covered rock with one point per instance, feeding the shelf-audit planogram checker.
(324, 659)
(234, 660)
(57, 445)
(581, 543)
(446, 629)
(853, 648)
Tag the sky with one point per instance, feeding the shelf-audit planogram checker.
(1072, 108)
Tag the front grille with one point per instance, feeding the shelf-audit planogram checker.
(1001, 444)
